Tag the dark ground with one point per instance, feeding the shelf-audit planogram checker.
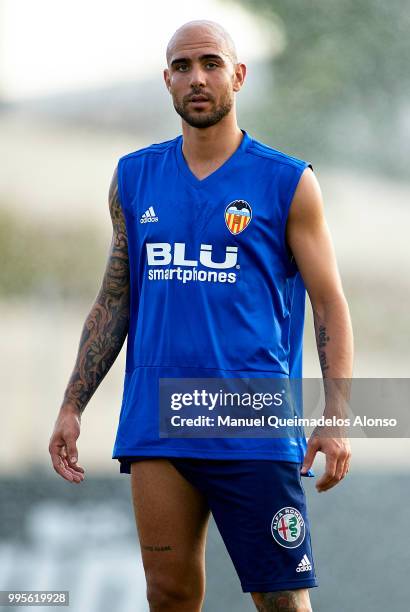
(54, 535)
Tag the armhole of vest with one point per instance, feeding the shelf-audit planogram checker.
(293, 182)
(120, 184)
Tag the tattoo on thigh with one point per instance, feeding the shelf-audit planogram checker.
(279, 601)
(156, 548)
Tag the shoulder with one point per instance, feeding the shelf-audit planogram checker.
(307, 204)
(276, 157)
(157, 148)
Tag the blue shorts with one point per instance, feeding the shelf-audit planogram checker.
(259, 507)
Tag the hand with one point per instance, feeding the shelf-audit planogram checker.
(338, 454)
(63, 448)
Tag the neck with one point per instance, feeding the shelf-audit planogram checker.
(213, 143)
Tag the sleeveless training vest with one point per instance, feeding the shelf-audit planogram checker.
(213, 289)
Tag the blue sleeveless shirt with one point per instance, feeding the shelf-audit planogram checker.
(214, 291)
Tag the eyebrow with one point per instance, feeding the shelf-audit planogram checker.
(206, 56)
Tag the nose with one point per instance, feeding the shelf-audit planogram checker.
(197, 76)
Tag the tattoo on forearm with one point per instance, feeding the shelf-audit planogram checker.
(156, 548)
(322, 340)
(280, 601)
(106, 326)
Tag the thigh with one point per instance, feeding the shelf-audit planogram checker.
(260, 509)
(172, 519)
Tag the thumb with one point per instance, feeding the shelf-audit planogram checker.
(72, 450)
(309, 458)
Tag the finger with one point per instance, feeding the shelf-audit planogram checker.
(58, 453)
(338, 475)
(77, 477)
(75, 466)
(59, 466)
(342, 465)
(346, 466)
(310, 455)
(330, 471)
(341, 461)
(78, 468)
(76, 471)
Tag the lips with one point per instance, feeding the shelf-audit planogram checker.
(199, 99)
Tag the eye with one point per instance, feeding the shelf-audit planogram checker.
(212, 64)
(181, 67)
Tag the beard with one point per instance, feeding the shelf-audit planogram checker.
(204, 119)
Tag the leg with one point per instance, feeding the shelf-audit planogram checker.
(283, 601)
(172, 520)
(259, 508)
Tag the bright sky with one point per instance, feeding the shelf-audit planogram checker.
(51, 45)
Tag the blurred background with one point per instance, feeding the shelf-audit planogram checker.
(80, 85)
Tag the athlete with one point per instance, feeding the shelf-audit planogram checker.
(216, 239)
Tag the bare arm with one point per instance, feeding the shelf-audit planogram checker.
(103, 335)
(309, 238)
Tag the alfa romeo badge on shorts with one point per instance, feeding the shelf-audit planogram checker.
(288, 527)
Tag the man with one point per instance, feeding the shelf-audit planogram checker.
(215, 237)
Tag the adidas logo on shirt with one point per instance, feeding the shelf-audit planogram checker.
(149, 216)
(304, 565)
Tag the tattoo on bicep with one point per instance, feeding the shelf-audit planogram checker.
(106, 326)
(279, 601)
(322, 341)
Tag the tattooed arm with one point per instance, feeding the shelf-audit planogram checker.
(309, 239)
(103, 335)
(106, 326)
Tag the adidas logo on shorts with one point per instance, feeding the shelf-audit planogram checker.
(304, 565)
(149, 216)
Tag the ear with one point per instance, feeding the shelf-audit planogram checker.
(239, 76)
(166, 78)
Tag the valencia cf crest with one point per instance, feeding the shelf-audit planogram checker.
(238, 215)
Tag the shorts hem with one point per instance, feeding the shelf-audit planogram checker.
(124, 456)
(183, 453)
(266, 587)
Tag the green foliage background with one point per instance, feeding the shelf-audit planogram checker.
(49, 262)
(341, 85)
(338, 95)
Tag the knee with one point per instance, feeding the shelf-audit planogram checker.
(283, 601)
(168, 595)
